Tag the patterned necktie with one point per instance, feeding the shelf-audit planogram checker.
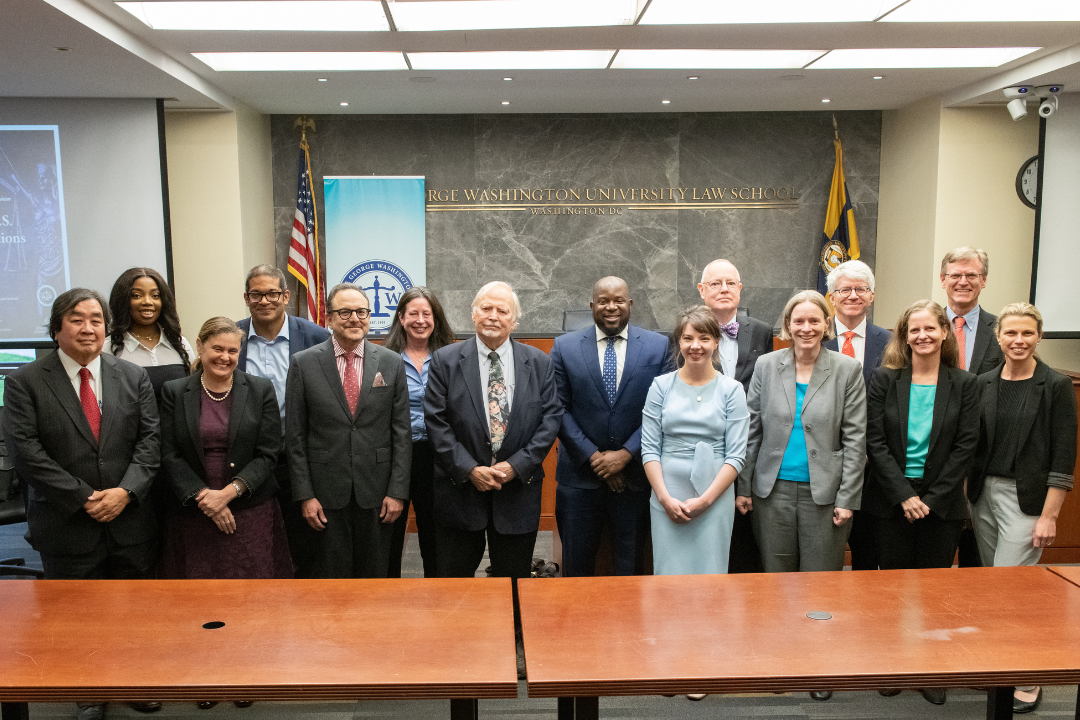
(611, 370)
(498, 408)
(731, 329)
(89, 402)
(961, 340)
(848, 348)
(351, 384)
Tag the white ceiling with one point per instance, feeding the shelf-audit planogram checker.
(112, 54)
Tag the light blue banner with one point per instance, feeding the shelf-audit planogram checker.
(375, 238)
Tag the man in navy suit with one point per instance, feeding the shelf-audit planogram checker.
(851, 289)
(273, 337)
(603, 373)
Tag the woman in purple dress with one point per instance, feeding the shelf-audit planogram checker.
(220, 437)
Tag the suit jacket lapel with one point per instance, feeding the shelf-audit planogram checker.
(591, 358)
(942, 398)
(110, 378)
(903, 403)
(522, 375)
(989, 406)
(743, 339)
(470, 371)
(786, 368)
(633, 349)
(329, 367)
(61, 387)
(296, 338)
(984, 333)
(239, 394)
(1031, 405)
(822, 370)
(192, 403)
(372, 356)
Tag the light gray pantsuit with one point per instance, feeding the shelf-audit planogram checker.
(795, 533)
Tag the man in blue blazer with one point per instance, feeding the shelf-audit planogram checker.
(603, 373)
(851, 290)
(272, 338)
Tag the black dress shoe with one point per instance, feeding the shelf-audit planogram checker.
(1021, 706)
(889, 692)
(821, 695)
(145, 706)
(243, 703)
(206, 704)
(935, 696)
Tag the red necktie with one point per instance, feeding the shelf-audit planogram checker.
(961, 339)
(89, 402)
(848, 348)
(352, 385)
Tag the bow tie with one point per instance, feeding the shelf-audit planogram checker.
(731, 329)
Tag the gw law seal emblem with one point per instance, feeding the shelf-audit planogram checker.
(384, 282)
(832, 254)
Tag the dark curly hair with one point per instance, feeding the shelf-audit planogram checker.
(120, 304)
(441, 336)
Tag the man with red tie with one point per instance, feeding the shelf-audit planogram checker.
(82, 429)
(851, 290)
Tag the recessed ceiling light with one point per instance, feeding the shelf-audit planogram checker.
(512, 60)
(715, 59)
(982, 11)
(322, 79)
(693, 77)
(309, 61)
(879, 77)
(826, 100)
(505, 102)
(665, 102)
(710, 12)
(508, 79)
(351, 15)
(344, 104)
(920, 57)
(502, 14)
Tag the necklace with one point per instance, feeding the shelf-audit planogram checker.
(202, 379)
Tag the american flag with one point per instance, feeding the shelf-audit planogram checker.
(304, 244)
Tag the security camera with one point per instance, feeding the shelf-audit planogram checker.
(1048, 107)
(1019, 91)
(1046, 91)
(1018, 108)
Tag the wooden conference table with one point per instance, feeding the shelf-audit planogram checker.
(281, 640)
(981, 627)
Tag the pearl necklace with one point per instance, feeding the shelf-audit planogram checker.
(202, 379)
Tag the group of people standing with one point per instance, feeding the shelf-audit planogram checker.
(275, 448)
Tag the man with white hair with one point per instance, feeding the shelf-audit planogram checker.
(492, 415)
(851, 290)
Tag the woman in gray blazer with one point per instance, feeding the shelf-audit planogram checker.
(804, 460)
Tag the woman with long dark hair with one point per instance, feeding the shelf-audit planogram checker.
(146, 327)
(419, 329)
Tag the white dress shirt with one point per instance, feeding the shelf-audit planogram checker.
(72, 368)
(620, 351)
(161, 354)
(506, 358)
(729, 355)
(858, 342)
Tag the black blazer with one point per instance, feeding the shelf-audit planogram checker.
(953, 437)
(986, 353)
(1046, 447)
(874, 351)
(54, 451)
(254, 437)
(457, 425)
(335, 456)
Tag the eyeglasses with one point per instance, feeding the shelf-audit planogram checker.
(346, 313)
(257, 297)
(721, 284)
(845, 291)
(970, 277)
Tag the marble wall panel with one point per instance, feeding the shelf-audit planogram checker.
(552, 260)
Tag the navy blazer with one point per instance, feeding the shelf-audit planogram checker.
(589, 421)
(303, 334)
(457, 424)
(876, 340)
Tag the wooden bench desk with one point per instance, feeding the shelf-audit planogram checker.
(982, 627)
(317, 640)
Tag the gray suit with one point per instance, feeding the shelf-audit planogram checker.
(834, 426)
(349, 463)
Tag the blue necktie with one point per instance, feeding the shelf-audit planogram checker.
(611, 370)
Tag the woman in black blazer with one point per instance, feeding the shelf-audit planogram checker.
(220, 437)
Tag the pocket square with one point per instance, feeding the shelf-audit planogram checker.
(378, 381)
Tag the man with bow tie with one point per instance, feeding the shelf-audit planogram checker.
(348, 438)
(742, 341)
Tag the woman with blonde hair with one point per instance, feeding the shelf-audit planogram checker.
(1026, 454)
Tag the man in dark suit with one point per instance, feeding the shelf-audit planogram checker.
(349, 441)
(492, 414)
(851, 290)
(603, 373)
(963, 276)
(272, 338)
(742, 341)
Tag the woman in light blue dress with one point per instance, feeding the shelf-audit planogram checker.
(693, 443)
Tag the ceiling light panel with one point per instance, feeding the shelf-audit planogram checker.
(929, 11)
(433, 15)
(351, 15)
(512, 60)
(713, 12)
(714, 59)
(920, 58)
(302, 61)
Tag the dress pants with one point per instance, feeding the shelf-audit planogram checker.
(796, 534)
(355, 543)
(581, 515)
(744, 556)
(303, 539)
(422, 498)
(929, 542)
(1002, 528)
(107, 561)
(863, 541)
